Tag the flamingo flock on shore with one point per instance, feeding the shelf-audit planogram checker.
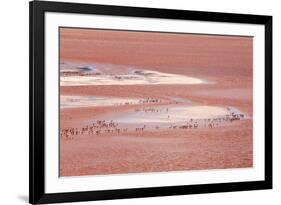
(111, 127)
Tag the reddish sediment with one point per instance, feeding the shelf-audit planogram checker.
(226, 61)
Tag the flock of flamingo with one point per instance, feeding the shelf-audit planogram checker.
(110, 127)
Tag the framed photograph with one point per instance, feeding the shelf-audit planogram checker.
(130, 102)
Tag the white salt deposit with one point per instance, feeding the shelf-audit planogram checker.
(177, 114)
(143, 77)
(96, 101)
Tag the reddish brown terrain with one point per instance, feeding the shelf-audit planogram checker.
(223, 62)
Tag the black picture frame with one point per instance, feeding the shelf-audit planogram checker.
(37, 194)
